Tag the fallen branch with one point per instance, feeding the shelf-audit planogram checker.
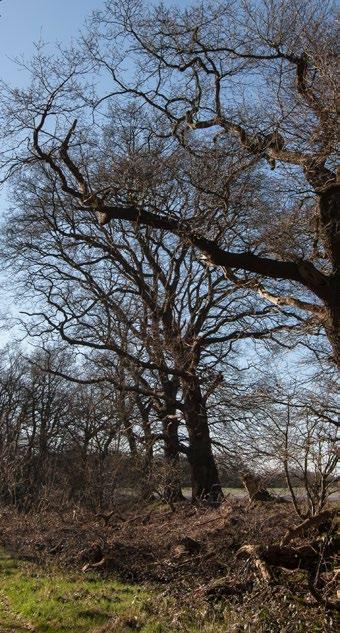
(221, 588)
(256, 553)
(327, 604)
(305, 557)
(310, 523)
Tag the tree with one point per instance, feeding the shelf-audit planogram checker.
(200, 117)
(34, 413)
(192, 67)
(61, 442)
(289, 434)
(208, 166)
(142, 296)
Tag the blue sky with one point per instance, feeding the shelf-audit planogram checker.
(24, 22)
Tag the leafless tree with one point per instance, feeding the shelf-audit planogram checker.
(144, 297)
(216, 117)
(238, 103)
(287, 434)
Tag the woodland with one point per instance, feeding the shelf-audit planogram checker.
(169, 400)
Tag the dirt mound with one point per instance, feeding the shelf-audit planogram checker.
(155, 542)
(205, 552)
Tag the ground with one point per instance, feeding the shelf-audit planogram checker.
(49, 600)
(152, 569)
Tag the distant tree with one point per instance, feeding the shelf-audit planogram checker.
(294, 432)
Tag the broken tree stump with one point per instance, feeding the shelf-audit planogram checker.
(254, 488)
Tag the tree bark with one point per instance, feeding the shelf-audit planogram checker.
(205, 480)
(146, 483)
(172, 487)
(329, 209)
(332, 325)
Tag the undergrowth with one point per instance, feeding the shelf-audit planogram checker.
(152, 581)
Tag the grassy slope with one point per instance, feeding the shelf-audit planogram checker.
(46, 600)
(50, 601)
(50, 597)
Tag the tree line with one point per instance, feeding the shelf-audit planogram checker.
(89, 442)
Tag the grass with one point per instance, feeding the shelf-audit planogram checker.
(49, 601)
(240, 493)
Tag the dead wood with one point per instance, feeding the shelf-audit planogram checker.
(323, 519)
(221, 588)
(254, 488)
(327, 604)
(57, 547)
(255, 552)
(95, 566)
(185, 546)
(305, 557)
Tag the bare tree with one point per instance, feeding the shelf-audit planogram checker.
(144, 297)
(194, 68)
(190, 74)
(288, 436)
(34, 414)
(179, 154)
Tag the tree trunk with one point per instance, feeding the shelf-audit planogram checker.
(172, 487)
(205, 480)
(332, 325)
(205, 483)
(146, 483)
(329, 206)
(147, 486)
(130, 436)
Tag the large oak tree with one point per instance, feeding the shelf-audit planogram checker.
(227, 90)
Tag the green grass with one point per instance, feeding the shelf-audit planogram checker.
(48, 601)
